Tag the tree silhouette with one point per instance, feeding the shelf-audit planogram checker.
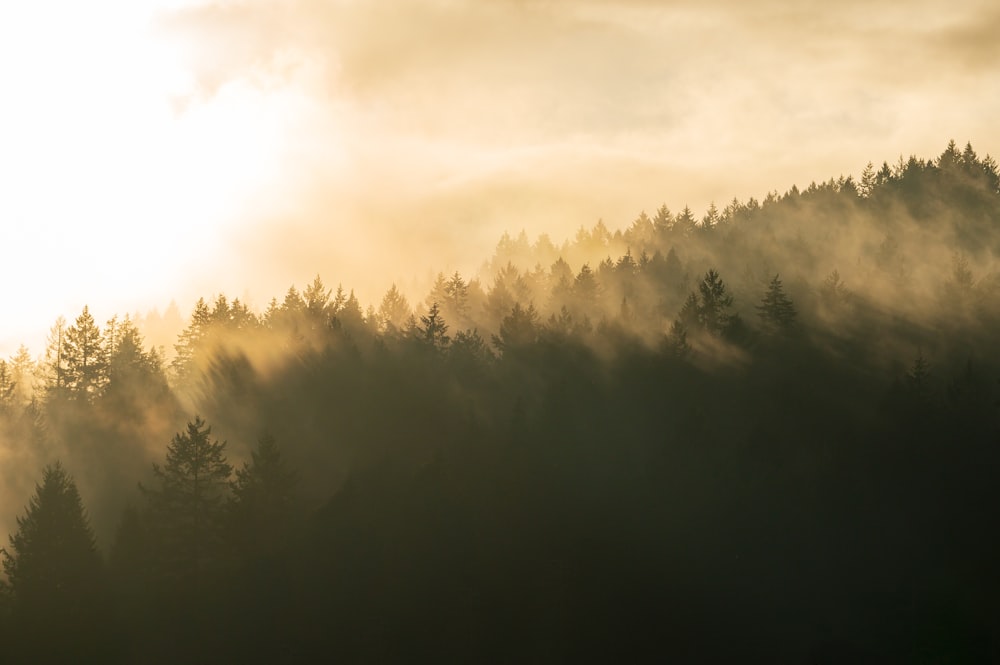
(262, 499)
(54, 574)
(188, 506)
(776, 311)
(85, 362)
(433, 330)
(714, 303)
(393, 311)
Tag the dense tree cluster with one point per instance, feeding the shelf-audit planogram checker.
(766, 434)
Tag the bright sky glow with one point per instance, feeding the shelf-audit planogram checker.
(168, 149)
(116, 182)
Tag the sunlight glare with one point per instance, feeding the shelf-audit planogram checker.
(117, 178)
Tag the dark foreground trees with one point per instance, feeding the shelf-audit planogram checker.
(55, 578)
(188, 506)
(814, 484)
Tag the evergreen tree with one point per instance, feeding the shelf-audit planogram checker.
(689, 319)
(776, 311)
(456, 302)
(677, 342)
(519, 329)
(585, 291)
(55, 360)
(132, 372)
(439, 291)
(317, 300)
(393, 311)
(188, 506)
(867, 185)
(685, 222)
(191, 340)
(24, 373)
(350, 316)
(711, 218)
(86, 365)
(662, 222)
(434, 330)
(714, 304)
(834, 293)
(262, 499)
(469, 350)
(55, 575)
(7, 387)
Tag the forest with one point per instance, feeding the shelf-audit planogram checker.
(766, 433)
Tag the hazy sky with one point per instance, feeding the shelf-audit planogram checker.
(158, 149)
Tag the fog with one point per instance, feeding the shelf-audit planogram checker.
(242, 146)
(694, 311)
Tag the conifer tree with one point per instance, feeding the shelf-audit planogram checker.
(86, 366)
(262, 499)
(456, 303)
(24, 375)
(585, 290)
(685, 222)
(191, 339)
(676, 340)
(55, 360)
(433, 331)
(776, 311)
(55, 574)
(317, 299)
(188, 506)
(393, 311)
(714, 304)
(518, 329)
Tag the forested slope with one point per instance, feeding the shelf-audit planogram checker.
(769, 434)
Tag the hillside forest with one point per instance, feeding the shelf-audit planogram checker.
(767, 432)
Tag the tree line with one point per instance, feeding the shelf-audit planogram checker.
(766, 434)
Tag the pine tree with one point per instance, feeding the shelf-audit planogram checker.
(188, 506)
(350, 316)
(7, 387)
(135, 376)
(776, 311)
(439, 291)
(191, 340)
(518, 329)
(714, 304)
(434, 330)
(468, 349)
(662, 222)
(456, 303)
(834, 292)
(393, 311)
(55, 574)
(55, 360)
(585, 291)
(676, 340)
(317, 300)
(867, 185)
(262, 499)
(689, 319)
(293, 303)
(685, 222)
(711, 218)
(86, 365)
(24, 373)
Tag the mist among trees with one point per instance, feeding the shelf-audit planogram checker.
(768, 433)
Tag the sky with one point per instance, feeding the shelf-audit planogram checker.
(153, 150)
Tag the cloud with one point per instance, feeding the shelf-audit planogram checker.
(433, 124)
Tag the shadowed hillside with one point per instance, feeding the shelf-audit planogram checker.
(765, 433)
